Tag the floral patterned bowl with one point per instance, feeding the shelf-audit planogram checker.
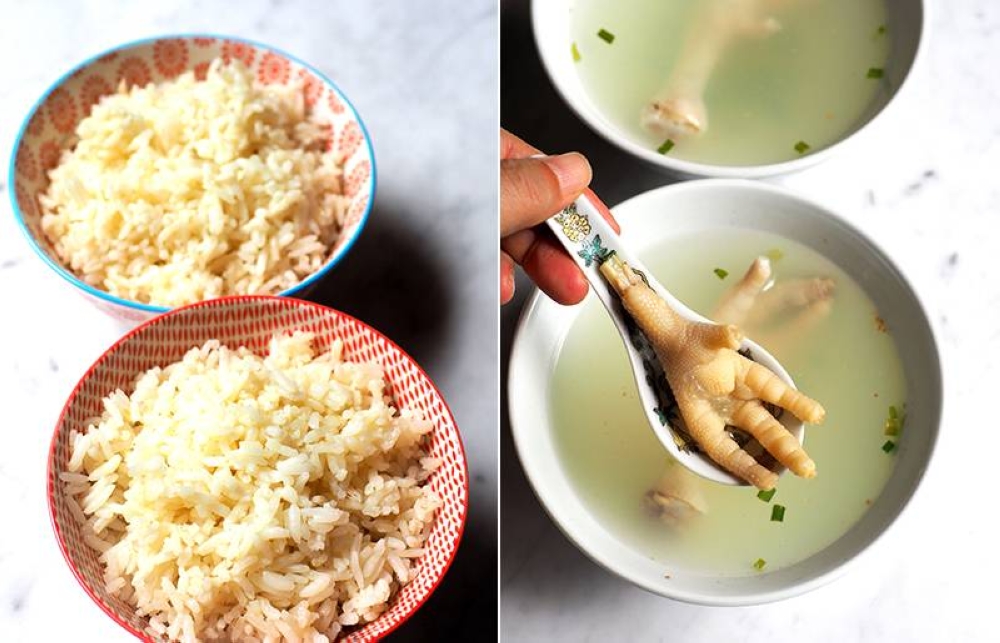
(251, 321)
(49, 127)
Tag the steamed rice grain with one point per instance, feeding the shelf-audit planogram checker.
(235, 497)
(193, 189)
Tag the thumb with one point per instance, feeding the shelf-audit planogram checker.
(534, 189)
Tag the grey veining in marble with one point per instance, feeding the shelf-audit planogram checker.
(424, 77)
(924, 183)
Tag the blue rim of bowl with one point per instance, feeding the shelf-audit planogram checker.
(67, 275)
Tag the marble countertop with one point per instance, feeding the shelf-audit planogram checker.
(427, 90)
(924, 184)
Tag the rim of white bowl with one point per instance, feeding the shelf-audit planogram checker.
(103, 295)
(706, 170)
(549, 502)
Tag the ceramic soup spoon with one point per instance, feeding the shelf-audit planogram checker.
(722, 406)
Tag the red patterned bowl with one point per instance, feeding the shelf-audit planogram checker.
(251, 321)
(50, 124)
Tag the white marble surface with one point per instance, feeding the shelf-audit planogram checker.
(423, 76)
(924, 184)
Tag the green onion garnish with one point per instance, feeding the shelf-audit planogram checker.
(875, 72)
(777, 513)
(759, 564)
(889, 446)
(894, 423)
(720, 273)
(606, 36)
(774, 254)
(576, 53)
(802, 147)
(766, 495)
(881, 30)
(666, 147)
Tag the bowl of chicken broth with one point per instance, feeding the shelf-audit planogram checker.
(729, 88)
(839, 316)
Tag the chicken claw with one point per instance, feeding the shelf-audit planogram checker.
(678, 109)
(737, 303)
(715, 386)
(676, 498)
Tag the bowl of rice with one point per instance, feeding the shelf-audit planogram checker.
(257, 468)
(183, 168)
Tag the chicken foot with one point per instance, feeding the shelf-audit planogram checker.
(677, 497)
(737, 303)
(715, 386)
(790, 296)
(678, 109)
(754, 303)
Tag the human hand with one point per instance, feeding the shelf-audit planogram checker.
(531, 191)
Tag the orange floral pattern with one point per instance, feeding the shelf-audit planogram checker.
(170, 57)
(312, 89)
(35, 126)
(134, 72)
(93, 89)
(62, 110)
(48, 155)
(349, 141)
(25, 201)
(336, 105)
(241, 51)
(357, 177)
(201, 70)
(25, 162)
(273, 69)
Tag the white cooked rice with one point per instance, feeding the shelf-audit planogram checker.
(188, 190)
(230, 505)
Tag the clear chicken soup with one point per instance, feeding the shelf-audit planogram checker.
(845, 358)
(769, 98)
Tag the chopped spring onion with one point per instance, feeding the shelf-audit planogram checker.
(894, 423)
(881, 30)
(759, 564)
(875, 72)
(777, 513)
(766, 495)
(774, 254)
(802, 147)
(666, 147)
(606, 36)
(576, 53)
(889, 446)
(720, 273)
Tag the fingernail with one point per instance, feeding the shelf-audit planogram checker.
(510, 285)
(572, 171)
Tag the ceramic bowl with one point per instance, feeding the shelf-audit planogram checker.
(678, 210)
(552, 29)
(48, 130)
(251, 321)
